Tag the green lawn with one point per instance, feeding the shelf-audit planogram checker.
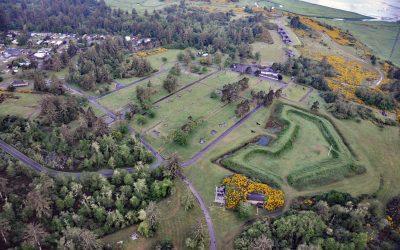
(195, 101)
(118, 99)
(28, 105)
(156, 60)
(270, 53)
(295, 92)
(307, 156)
(175, 223)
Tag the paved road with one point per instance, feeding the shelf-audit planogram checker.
(199, 154)
(211, 233)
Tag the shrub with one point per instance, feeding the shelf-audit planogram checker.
(141, 120)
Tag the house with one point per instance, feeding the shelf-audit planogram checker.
(269, 73)
(256, 199)
(19, 83)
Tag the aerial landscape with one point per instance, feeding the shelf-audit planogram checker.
(199, 124)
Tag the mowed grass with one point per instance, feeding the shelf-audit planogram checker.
(309, 147)
(175, 224)
(195, 101)
(27, 105)
(379, 36)
(295, 92)
(116, 100)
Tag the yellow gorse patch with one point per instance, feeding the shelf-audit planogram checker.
(239, 186)
(146, 53)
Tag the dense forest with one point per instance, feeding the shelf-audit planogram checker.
(332, 220)
(175, 26)
(41, 212)
(69, 138)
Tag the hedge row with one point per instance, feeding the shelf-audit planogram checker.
(316, 175)
(261, 176)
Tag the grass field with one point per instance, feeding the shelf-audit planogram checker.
(309, 153)
(175, 224)
(309, 9)
(379, 36)
(117, 100)
(295, 92)
(28, 105)
(195, 101)
(139, 5)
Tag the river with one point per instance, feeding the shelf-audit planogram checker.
(385, 10)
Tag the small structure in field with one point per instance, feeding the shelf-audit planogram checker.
(220, 195)
(256, 199)
(19, 83)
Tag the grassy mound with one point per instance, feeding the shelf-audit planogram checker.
(308, 152)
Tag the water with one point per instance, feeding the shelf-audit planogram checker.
(385, 10)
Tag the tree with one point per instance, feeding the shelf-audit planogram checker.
(196, 238)
(173, 165)
(242, 108)
(34, 235)
(187, 201)
(315, 106)
(5, 228)
(56, 86)
(244, 210)
(40, 204)
(262, 243)
(3, 187)
(78, 238)
(218, 59)
(39, 83)
(257, 56)
(170, 83)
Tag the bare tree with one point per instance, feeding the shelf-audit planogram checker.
(78, 238)
(3, 187)
(262, 243)
(5, 228)
(173, 165)
(34, 235)
(38, 202)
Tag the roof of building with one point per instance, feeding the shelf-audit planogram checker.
(255, 197)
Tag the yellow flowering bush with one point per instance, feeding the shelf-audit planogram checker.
(239, 186)
(334, 33)
(146, 53)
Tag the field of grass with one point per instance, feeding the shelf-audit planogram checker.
(28, 105)
(309, 153)
(270, 53)
(379, 36)
(119, 99)
(175, 224)
(139, 5)
(295, 92)
(309, 9)
(195, 101)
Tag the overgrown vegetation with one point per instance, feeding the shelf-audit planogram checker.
(330, 221)
(88, 146)
(41, 212)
